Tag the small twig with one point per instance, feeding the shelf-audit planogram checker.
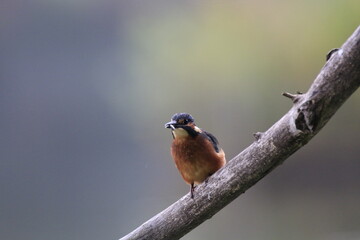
(294, 97)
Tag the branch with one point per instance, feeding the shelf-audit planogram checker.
(337, 80)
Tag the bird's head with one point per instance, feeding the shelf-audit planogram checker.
(182, 125)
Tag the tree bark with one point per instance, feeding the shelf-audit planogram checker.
(337, 80)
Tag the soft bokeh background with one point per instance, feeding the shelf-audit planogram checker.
(86, 87)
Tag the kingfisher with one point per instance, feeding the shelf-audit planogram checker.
(196, 153)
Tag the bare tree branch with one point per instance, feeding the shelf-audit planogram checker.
(337, 80)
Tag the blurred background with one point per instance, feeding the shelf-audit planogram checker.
(86, 87)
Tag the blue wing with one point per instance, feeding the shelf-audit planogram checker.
(213, 140)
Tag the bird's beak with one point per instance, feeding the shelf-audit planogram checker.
(170, 124)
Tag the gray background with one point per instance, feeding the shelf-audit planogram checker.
(86, 87)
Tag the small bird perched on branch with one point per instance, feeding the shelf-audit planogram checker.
(196, 153)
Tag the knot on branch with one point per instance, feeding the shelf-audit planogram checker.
(257, 135)
(307, 119)
(330, 53)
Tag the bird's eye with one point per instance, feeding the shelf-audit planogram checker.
(183, 121)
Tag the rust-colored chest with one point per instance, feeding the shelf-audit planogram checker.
(196, 158)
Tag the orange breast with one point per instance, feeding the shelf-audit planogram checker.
(196, 158)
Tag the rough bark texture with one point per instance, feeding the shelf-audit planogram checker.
(337, 80)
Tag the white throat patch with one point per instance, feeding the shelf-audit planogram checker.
(180, 133)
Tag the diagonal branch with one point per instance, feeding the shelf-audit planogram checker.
(337, 80)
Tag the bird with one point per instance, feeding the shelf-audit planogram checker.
(196, 153)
